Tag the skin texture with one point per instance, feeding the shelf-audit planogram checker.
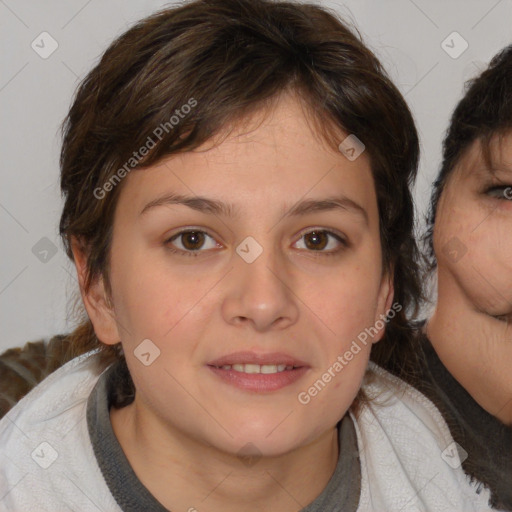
(471, 327)
(186, 426)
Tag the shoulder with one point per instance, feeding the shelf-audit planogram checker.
(22, 368)
(408, 457)
(396, 401)
(46, 458)
(68, 386)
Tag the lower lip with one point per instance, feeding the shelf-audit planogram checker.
(260, 382)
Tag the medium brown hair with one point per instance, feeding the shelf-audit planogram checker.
(233, 57)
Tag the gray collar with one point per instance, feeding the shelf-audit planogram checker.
(341, 493)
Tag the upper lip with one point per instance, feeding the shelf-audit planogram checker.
(271, 358)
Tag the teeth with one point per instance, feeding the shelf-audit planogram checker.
(256, 368)
(251, 368)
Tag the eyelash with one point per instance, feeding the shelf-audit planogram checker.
(506, 192)
(198, 252)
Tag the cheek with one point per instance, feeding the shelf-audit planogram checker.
(152, 298)
(452, 227)
(485, 270)
(346, 304)
(156, 301)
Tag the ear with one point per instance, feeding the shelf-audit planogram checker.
(384, 302)
(96, 301)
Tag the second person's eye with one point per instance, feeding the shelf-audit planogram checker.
(500, 192)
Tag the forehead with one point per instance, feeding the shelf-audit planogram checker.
(268, 158)
(483, 160)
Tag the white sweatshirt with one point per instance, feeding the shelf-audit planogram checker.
(47, 462)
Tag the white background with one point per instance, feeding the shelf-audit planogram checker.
(35, 95)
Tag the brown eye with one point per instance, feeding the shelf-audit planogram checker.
(316, 240)
(190, 242)
(319, 240)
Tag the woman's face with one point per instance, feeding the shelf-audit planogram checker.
(473, 232)
(471, 329)
(282, 271)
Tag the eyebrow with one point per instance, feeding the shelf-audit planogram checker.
(212, 206)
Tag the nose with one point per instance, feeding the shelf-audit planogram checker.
(260, 294)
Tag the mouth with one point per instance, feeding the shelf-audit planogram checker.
(258, 372)
(250, 368)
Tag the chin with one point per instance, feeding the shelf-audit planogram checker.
(268, 441)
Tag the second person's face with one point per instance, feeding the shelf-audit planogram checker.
(473, 231)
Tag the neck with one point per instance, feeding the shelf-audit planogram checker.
(183, 474)
(476, 348)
